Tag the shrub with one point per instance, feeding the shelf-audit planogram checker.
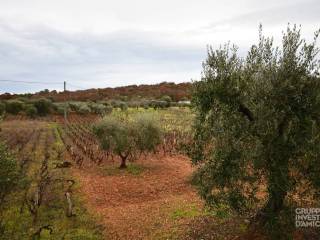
(8, 173)
(84, 108)
(31, 111)
(14, 106)
(166, 99)
(98, 108)
(123, 106)
(60, 107)
(43, 106)
(258, 124)
(2, 108)
(109, 109)
(159, 104)
(80, 107)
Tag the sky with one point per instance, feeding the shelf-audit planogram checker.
(104, 43)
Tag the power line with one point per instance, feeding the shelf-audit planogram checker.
(30, 82)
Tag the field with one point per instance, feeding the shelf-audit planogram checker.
(72, 189)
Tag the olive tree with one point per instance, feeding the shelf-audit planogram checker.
(257, 126)
(14, 106)
(31, 110)
(43, 106)
(125, 138)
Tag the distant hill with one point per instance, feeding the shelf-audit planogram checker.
(177, 92)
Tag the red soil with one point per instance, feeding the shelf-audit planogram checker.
(140, 207)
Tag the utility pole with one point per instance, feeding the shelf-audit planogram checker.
(65, 103)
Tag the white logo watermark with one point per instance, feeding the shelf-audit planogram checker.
(307, 217)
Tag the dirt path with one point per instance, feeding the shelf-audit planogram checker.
(141, 206)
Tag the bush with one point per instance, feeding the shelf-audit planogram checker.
(84, 108)
(127, 138)
(31, 111)
(166, 99)
(98, 108)
(8, 173)
(80, 107)
(159, 104)
(258, 124)
(60, 107)
(43, 106)
(2, 108)
(14, 106)
(123, 106)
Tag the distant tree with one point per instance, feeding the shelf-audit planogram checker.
(43, 106)
(109, 109)
(83, 108)
(80, 107)
(60, 107)
(123, 106)
(167, 99)
(14, 106)
(44, 91)
(127, 138)
(31, 111)
(2, 108)
(257, 124)
(98, 108)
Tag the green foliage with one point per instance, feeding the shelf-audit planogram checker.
(123, 137)
(258, 124)
(14, 106)
(60, 107)
(31, 110)
(80, 107)
(166, 99)
(43, 106)
(123, 106)
(2, 108)
(8, 173)
(187, 211)
(148, 132)
(159, 104)
(98, 108)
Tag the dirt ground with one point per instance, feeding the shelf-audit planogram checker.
(151, 205)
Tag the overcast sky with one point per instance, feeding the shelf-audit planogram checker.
(104, 43)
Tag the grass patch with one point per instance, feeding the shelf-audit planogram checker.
(192, 211)
(186, 211)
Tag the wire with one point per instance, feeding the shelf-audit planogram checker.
(31, 82)
(35, 82)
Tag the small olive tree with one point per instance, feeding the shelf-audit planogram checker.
(125, 138)
(258, 125)
(14, 106)
(43, 106)
(31, 110)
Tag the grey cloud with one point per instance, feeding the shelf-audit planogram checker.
(305, 12)
(44, 54)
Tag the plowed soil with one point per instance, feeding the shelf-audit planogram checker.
(141, 206)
